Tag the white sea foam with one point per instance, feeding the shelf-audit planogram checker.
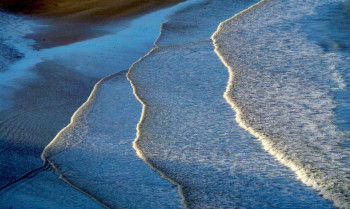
(188, 131)
(281, 88)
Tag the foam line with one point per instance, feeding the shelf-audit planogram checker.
(138, 134)
(85, 107)
(301, 173)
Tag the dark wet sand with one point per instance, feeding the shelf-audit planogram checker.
(71, 21)
(84, 10)
(42, 108)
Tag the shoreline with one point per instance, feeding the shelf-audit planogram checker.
(67, 22)
(112, 55)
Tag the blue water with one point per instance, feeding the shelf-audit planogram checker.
(284, 84)
(330, 29)
(253, 113)
(42, 189)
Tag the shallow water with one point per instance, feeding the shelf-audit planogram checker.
(43, 190)
(284, 140)
(95, 151)
(61, 79)
(40, 91)
(189, 131)
(284, 87)
(329, 28)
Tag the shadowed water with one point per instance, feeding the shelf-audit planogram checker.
(95, 151)
(41, 91)
(42, 189)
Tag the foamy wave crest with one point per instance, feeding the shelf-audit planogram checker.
(281, 86)
(94, 152)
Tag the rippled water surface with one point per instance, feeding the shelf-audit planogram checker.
(249, 113)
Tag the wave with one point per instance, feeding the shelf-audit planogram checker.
(187, 131)
(41, 90)
(94, 153)
(281, 88)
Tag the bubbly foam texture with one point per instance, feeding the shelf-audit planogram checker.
(188, 130)
(281, 87)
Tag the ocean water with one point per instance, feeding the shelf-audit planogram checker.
(42, 189)
(249, 113)
(189, 133)
(41, 89)
(95, 151)
(288, 82)
(330, 23)
(188, 130)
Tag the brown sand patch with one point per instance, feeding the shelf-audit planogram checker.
(84, 10)
(77, 20)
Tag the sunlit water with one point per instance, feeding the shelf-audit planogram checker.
(188, 129)
(288, 84)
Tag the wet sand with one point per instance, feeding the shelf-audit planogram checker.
(85, 10)
(41, 109)
(70, 21)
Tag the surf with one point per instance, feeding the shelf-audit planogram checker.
(282, 94)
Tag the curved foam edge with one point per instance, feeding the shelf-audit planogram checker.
(79, 114)
(301, 173)
(139, 152)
